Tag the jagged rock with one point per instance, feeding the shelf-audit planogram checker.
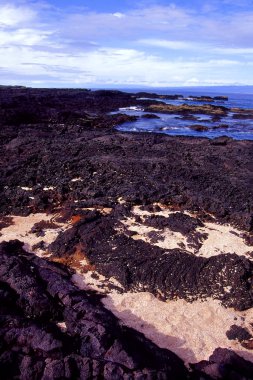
(178, 222)
(208, 109)
(221, 97)
(140, 168)
(60, 153)
(5, 222)
(93, 345)
(220, 126)
(226, 364)
(239, 333)
(198, 128)
(222, 140)
(149, 95)
(150, 116)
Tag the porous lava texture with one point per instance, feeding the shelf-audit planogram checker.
(170, 274)
(60, 153)
(52, 330)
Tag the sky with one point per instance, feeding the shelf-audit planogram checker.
(110, 43)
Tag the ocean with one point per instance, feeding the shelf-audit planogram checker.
(238, 97)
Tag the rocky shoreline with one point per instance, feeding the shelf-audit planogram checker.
(136, 208)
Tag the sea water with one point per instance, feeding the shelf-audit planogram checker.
(173, 124)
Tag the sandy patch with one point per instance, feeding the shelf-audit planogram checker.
(92, 280)
(168, 239)
(77, 179)
(221, 238)
(47, 188)
(191, 330)
(21, 230)
(26, 188)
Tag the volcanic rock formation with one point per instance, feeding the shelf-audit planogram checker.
(60, 154)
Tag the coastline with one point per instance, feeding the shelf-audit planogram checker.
(102, 203)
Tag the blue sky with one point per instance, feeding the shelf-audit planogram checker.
(107, 43)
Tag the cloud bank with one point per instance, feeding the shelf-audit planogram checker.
(44, 44)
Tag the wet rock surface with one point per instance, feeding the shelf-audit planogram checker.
(186, 108)
(203, 98)
(198, 127)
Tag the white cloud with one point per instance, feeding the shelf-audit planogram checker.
(109, 66)
(207, 48)
(234, 51)
(159, 22)
(118, 15)
(168, 44)
(59, 50)
(11, 15)
(29, 37)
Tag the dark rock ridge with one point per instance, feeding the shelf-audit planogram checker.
(36, 296)
(198, 127)
(204, 128)
(203, 98)
(150, 116)
(208, 109)
(242, 113)
(152, 95)
(170, 274)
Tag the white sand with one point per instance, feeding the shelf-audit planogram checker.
(21, 230)
(191, 330)
(100, 284)
(47, 188)
(168, 239)
(221, 238)
(77, 179)
(22, 225)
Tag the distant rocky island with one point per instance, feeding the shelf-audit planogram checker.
(123, 255)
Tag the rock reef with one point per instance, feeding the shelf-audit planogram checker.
(208, 109)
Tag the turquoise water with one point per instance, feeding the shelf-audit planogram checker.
(238, 97)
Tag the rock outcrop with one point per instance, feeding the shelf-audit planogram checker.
(168, 274)
(52, 330)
